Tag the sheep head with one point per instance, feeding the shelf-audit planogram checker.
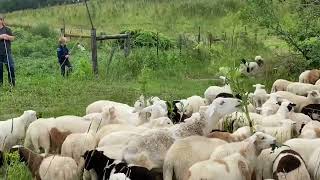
(29, 116)
(92, 157)
(262, 141)
(222, 106)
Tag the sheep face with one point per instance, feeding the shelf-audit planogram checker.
(30, 115)
(223, 106)
(162, 122)
(263, 141)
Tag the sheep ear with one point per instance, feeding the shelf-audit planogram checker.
(211, 110)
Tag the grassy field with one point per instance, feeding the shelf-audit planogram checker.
(170, 75)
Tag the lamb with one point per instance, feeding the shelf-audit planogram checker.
(301, 89)
(311, 130)
(185, 152)
(300, 101)
(56, 139)
(104, 167)
(303, 76)
(290, 166)
(77, 143)
(47, 168)
(58, 167)
(37, 135)
(310, 76)
(32, 159)
(191, 105)
(237, 166)
(260, 95)
(153, 123)
(239, 135)
(149, 150)
(97, 107)
(12, 131)
(271, 106)
(280, 85)
(282, 133)
(312, 110)
(211, 93)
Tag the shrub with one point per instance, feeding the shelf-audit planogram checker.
(16, 169)
(43, 30)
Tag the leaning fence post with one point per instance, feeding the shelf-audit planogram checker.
(157, 44)
(94, 51)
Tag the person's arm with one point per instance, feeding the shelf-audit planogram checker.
(9, 36)
(60, 54)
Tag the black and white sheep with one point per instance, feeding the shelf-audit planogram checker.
(105, 167)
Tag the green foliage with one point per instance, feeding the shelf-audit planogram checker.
(142, 38)
(16, 170)
(83, 69)
(42, 30)
(297, 24)
(143, 79)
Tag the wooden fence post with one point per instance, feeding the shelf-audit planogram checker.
(94, 51)
(63, 31)
(127, 46)
(157, 44)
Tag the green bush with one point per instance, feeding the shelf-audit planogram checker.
(82, 69)
(43, 30)
(143, 38)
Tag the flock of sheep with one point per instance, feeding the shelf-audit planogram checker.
(118, 142)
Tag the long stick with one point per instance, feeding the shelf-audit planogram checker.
(85, 2)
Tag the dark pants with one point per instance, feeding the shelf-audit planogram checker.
(9, 63)
(63, 65)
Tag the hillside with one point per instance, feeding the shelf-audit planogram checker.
(166, 16)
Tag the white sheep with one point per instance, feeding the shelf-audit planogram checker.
(290, 166)
(300, 101)
(311, 130)
(212, 91)
(303, 76)
(38, 132)
(271, 106)
(118, 176)
(236, 163)
(313, 164)
(190, 105)
(260, 95)
(12, 131)
(282, 133)
(301, 89)
(251, 68)
(153, 123)
(185, 152)
(97, 107)
(280, 85)
(149, 150)
(310, 76)
(58, 167)
(317, 82)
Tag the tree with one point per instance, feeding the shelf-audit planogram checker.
(296, 22)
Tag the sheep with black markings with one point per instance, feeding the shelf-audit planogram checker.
(312, 110)
(105, 166)
(12, 131)
(237, 161)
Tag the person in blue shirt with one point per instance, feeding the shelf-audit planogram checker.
(63, 56)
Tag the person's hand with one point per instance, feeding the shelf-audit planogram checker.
(2, 36)
(67, 56)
